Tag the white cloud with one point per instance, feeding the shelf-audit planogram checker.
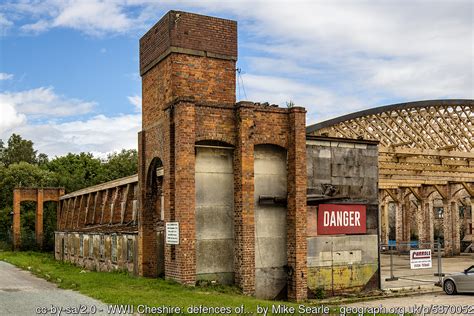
(100, 134)
(51, 122)
(93, 17)
(367, 51)
(346, 55)
(5, 24)
(5, 76)
(44, 102)
(319, 102)
(37, 27)
(10, 118)
(136, 101)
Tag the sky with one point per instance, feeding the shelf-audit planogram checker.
(69, 78)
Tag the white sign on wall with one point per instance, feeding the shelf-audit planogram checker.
(420, 259)
(172, 233)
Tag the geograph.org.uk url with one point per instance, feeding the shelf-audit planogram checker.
(422, 309)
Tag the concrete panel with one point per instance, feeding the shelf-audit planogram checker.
(366, 245)
(213, 160)
(270, 282)
(214, 189)
(270, 252)
(270, 222)
(342, 263)
(214, 214)
(353, 169)
(222, 259)
(344, 278)
(213, 221)
(271, 184)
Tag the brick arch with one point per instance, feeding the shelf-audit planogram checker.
(212, 142)
(38, 195)
(148, 241)
(278, 143)
(229, 140)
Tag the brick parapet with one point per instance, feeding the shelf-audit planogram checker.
(188, 33)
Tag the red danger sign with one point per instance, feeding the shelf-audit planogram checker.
(341, 219)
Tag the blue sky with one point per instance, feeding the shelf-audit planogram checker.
(69, 69)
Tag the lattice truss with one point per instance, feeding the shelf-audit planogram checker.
(428, 142)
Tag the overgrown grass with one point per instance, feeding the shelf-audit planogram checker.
(122, 288)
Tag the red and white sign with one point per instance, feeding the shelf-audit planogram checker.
(341, 219)
(420, 259)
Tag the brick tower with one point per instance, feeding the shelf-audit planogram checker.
(187, 64)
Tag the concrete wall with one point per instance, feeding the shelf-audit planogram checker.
(214, 214)
(349, 166)
(270, 222)
(343, 263)
(100, 252)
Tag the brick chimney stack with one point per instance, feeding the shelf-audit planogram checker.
(187, 56)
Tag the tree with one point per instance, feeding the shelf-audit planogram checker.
(18, 150)
(22, 175)
(122, 164)
(16, 175)
(76, 171)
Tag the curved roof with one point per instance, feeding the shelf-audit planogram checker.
(431, 124)
(424, 142)
(384, 108)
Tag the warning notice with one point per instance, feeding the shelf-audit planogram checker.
(341, 219)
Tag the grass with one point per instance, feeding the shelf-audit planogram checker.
(122, 288)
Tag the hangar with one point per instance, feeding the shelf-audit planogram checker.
(426, 168)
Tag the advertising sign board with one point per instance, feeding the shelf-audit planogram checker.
(420, 259)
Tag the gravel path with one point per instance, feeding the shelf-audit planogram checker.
(22, 293)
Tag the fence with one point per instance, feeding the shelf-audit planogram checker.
(410, 264)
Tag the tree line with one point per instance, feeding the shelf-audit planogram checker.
(22, 166)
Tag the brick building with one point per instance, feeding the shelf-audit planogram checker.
(231, 178)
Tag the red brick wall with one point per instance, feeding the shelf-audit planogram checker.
(189, 96)
(188, 31)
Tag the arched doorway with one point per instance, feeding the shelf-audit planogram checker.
(214, 181)
(270, 178)
(152, 222)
